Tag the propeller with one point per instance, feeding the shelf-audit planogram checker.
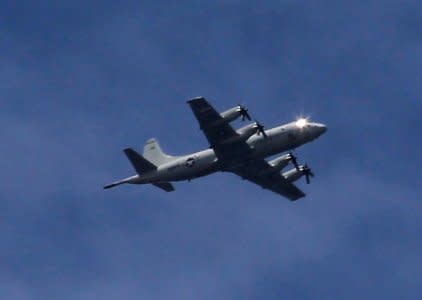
(260, 129)
(293, 159)
(307, 172)
(244, 113)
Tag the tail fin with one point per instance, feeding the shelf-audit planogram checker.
(140, 164)
(153, 153)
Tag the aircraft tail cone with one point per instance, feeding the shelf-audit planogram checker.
(109, 186)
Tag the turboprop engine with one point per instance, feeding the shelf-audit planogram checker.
(236, 112)
(281, 162)
(295, 174)
(249, 130)
(246, 132)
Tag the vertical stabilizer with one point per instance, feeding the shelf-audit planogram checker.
(153, 153)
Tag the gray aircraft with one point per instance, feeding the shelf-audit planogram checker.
(241, 152)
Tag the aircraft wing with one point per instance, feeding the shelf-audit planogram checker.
(217, 130)
(264, 175)
(235, 154)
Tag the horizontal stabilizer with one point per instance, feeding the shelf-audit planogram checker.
(167, 186)
(140, 164)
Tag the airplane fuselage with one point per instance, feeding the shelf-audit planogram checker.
(187, 167)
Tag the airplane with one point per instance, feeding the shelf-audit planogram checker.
(241, 152)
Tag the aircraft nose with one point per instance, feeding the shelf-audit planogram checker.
(321, 128)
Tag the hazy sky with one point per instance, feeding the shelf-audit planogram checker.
(79, 82)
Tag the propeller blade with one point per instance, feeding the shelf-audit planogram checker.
(308, 173)
(263, 133)
(244, 113)
(260, 129)
(294, 160)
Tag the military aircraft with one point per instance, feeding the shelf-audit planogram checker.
(241, 152)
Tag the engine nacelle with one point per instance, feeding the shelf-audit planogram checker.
(293, 174)
(232, 114)
(281, 162)
(244, 133)
(248, 131)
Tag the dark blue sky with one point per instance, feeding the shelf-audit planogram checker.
(79, 82)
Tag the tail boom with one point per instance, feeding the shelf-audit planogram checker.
(109, 186)
(116, 183)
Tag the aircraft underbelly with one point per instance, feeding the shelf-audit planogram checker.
(183, 173)
(187, 168)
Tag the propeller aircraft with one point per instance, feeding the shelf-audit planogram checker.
(242, 152)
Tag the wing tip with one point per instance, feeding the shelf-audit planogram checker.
(195, 99)
(126, 150)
